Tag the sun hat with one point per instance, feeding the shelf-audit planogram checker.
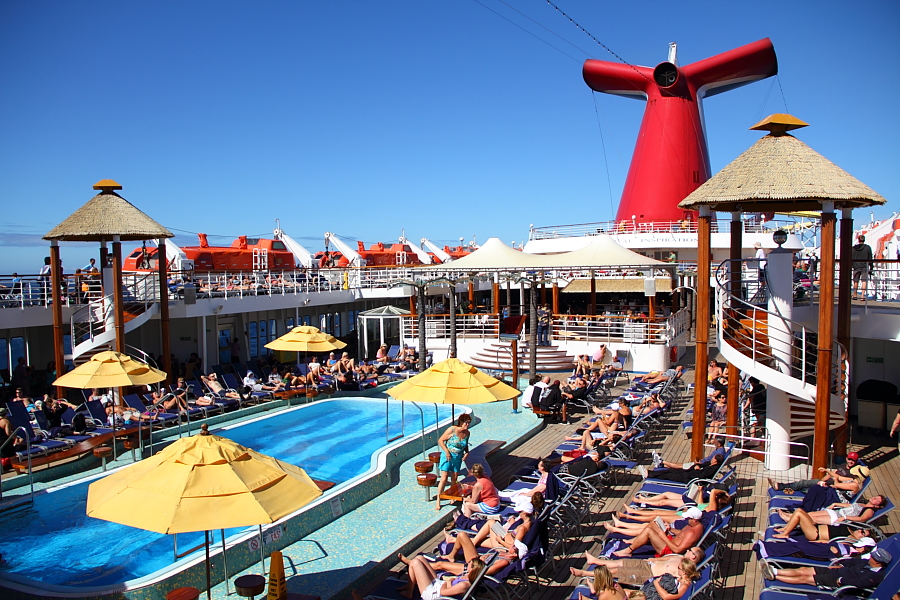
(865, 541)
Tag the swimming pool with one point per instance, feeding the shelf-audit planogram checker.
(55, 543)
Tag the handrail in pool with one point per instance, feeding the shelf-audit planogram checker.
(11, 440)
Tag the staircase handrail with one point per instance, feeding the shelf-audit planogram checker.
(739, 308)
(85, 316)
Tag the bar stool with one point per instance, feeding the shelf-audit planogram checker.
(102, 452)
(435, 457)
(249, 586)
(183, 593)
(427, 480)
(132, 445)
(424, 466)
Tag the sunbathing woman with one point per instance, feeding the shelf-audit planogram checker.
(516, 528)
(671, 499)
(718, 499)
(814, 525)
(605, 422)
(424, 578)
(604, 587)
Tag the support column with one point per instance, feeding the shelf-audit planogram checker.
(826, 332)
(702, 316)
(845, 287)
(592, 309)
(453, 319)
(472, 295)
(412, 304)
(420, 321)
(555, 296)
(522, 297)
(56, 284)
(532, 330)
(509, 296)
(779, 266)
(734, 276)
(495, 294)
(118, 299)
(163, 265)
(543, 289)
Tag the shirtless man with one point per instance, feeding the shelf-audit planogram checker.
(674, 541)
(713, 371)
(635, 571)
(212, 382)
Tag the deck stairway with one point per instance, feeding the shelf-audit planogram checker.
(743, 334)
(498, 356)
(92, 326)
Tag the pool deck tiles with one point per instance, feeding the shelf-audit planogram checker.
(361, 545)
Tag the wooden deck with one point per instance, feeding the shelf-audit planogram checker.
(741, 579)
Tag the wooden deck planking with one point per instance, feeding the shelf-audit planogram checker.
(740, 574)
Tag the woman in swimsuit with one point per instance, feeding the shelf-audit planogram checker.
(430, 586)
(604, 587)
(454, 446)
(835, 514)
(718, 499)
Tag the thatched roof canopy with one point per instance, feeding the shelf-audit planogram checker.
(780, 173)
(105, 215)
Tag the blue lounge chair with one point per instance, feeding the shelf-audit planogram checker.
(39, 446)
(134, 401)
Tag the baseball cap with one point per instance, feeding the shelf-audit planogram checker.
(852, 456)
(865, 541)
(693, 513)
(881, 555)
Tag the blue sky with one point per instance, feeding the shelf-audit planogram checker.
(445, 119)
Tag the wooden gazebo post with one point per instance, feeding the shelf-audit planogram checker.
(56, 283)
(734, 382)
(826, 332)
(702, 319)
(844, 309)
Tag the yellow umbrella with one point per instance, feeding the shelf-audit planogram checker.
(453, 382)
(110, 370)
(306, 339)
(201, 483)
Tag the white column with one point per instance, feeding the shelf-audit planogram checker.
(778, 411)
(522, 297)
(204, 358)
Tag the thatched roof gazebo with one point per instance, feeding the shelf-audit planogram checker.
(780, 173)
(105, 218)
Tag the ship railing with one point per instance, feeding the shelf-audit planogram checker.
(90, 320)
(580, 328)
(742, 322)
(629, 226)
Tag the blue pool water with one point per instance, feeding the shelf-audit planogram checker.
(55, 542)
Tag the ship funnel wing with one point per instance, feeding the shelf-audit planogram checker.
(302, 255)
(423, 256)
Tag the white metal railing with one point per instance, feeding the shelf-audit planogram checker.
(633, 226)
(742, 323)
(589, 328)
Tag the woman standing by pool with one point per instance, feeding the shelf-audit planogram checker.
(454, 446)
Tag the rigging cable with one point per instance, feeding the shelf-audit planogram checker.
(612, 207)
(529, 32)
(778, 79)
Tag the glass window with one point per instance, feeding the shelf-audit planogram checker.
(16, 351)
(273, 330)
(307, 320)
(336, 324)
(67, 350)
(289, 324)
(263, 336)
(253, 341)
(4, 354)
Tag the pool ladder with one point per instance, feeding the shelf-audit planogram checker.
(18, 500)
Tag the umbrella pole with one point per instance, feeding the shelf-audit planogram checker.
(208, 576)
(262, 554)
(225, 562)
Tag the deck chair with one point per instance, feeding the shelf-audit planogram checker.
(157, 418)
(776, 590)
(232, 382)
(220, 398)
(56, 433)
(98, 415)
(92, 428)
(18, 417)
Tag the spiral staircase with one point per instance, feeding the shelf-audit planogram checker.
(742, 328)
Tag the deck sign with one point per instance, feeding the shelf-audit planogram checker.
(875, 359)
(273, 535)
(336, 508)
